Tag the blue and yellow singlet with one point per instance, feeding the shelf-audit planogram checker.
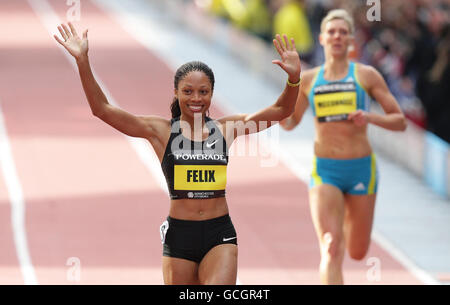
(334, 100)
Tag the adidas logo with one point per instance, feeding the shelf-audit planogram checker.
(349, 79)
(359, 187)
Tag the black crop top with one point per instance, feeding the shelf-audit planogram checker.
(195, 170)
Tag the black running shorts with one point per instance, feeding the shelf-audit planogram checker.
(192, 239)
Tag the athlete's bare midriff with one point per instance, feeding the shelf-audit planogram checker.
(341, 140)
(198, 209)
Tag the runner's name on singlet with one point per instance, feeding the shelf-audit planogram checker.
(196, 170)
(334, 101)
(200, 177)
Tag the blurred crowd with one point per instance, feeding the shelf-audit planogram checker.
(409, 44)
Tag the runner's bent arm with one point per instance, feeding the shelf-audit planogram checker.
(376, 87)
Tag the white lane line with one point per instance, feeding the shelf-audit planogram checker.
(407, 263)
(18, 207)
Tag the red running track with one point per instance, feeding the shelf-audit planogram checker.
(87, 194)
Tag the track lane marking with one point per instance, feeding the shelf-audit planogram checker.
(18, 206)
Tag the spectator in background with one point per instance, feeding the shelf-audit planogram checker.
(257, 19)
(250, 15)
(434, 90)
(291, 20)
(217, 8)
(425, 31)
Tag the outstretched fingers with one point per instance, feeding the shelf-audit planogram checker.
(62, 32)
(294, 48)
(288, 52)
(283, 45)
(281, 49)
(58, 40)
(278, 44)
(67, 31)
(286, 41)
(72, 28)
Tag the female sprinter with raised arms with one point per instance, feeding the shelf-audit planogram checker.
(200, 242)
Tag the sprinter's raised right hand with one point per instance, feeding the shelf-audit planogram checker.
(76, 46)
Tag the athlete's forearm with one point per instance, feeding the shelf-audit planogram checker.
(286, 102)
(94, 94)
(391, 121)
